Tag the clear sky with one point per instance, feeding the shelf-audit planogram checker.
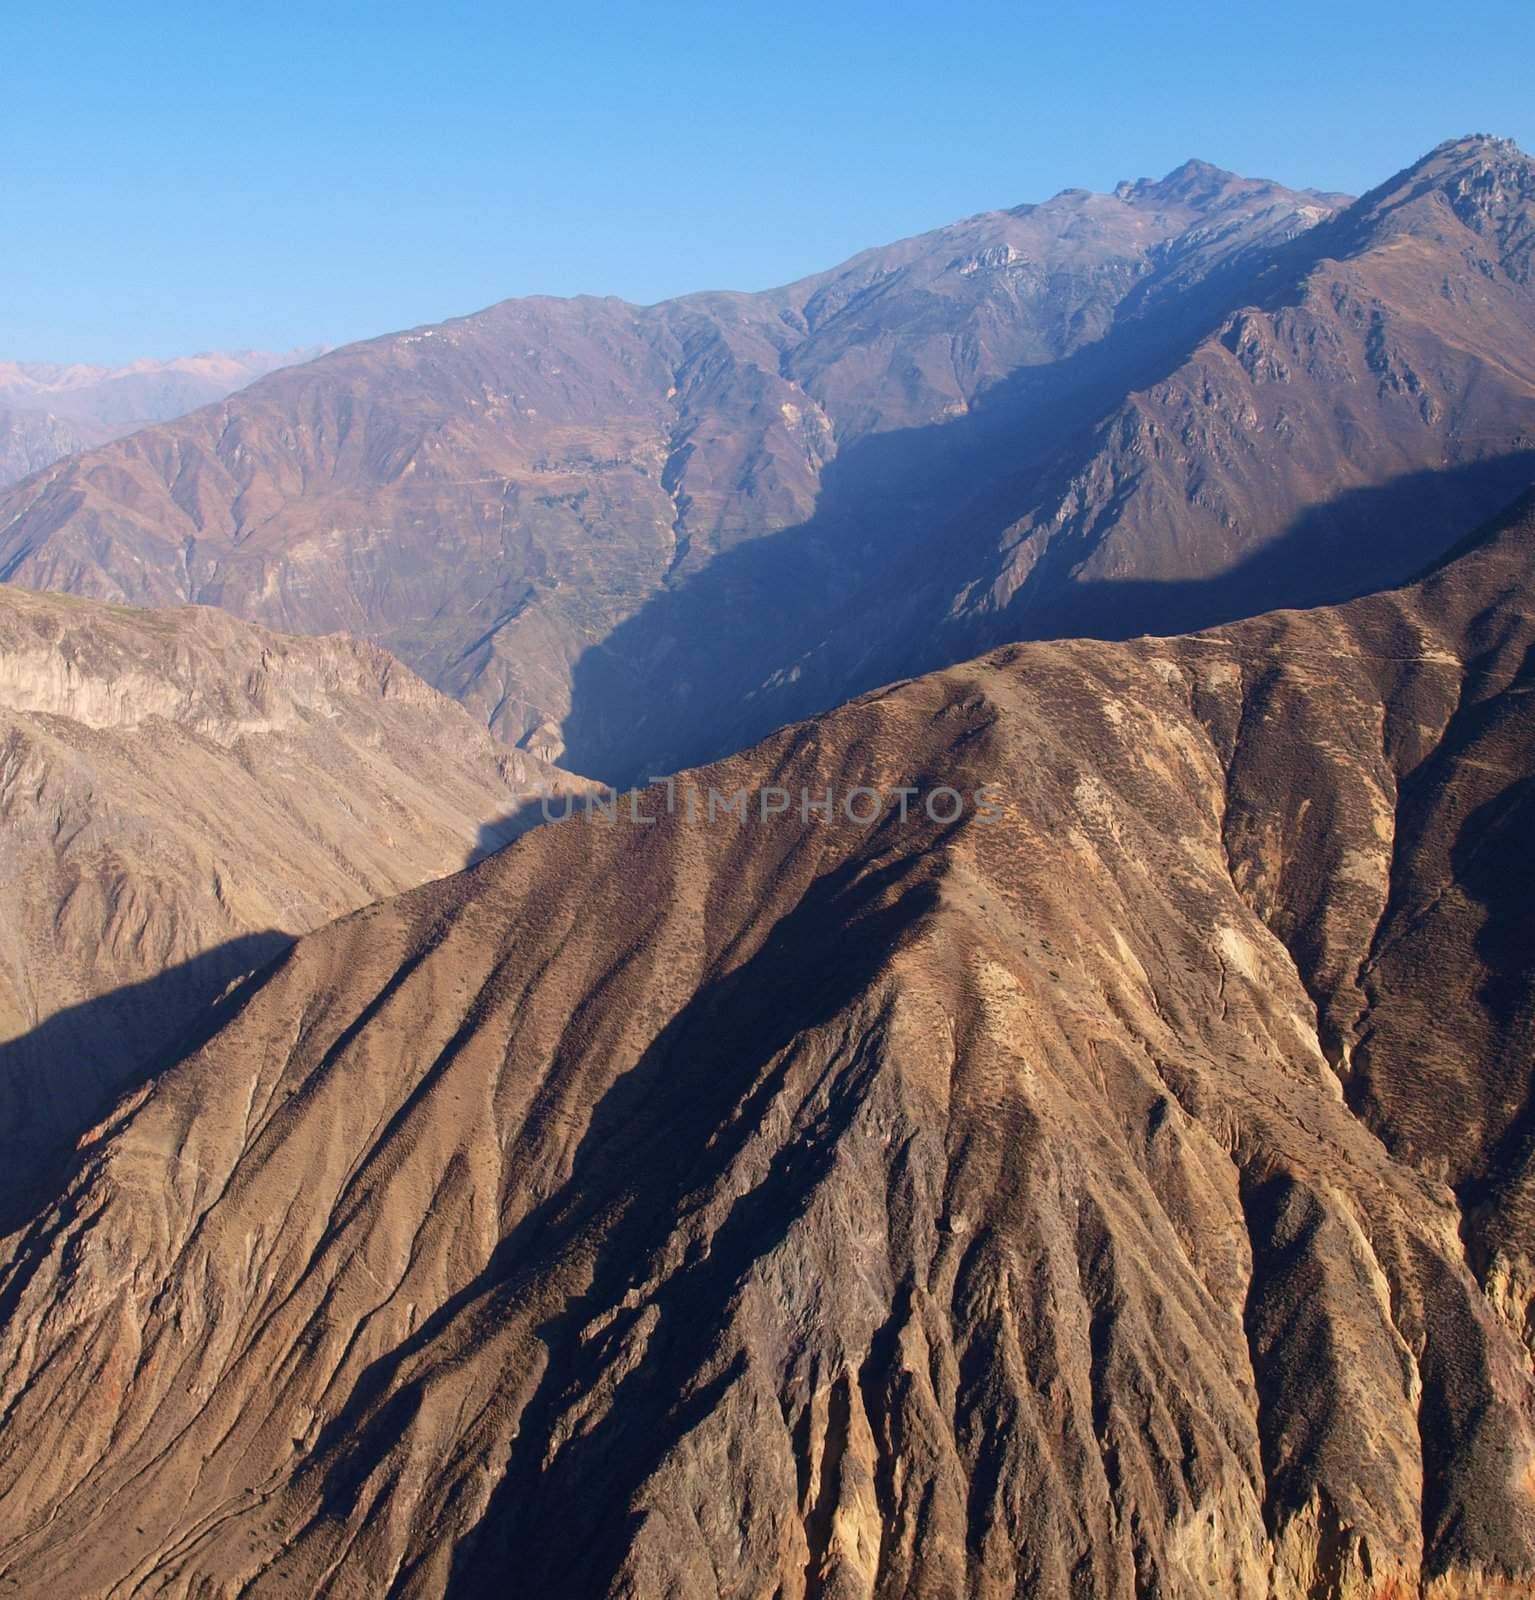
(186, 177)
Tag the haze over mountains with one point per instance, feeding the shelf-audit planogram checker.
(50, 410)
(180, 795)
(1064, 1205)
(630, 538)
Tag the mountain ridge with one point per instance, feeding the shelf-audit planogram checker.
(1064, 1203)
(1035, 421)
(182, 794)
(49, 410)
(653, 416)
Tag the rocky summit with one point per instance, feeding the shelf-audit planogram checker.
(1121, 1189)
(632, 538)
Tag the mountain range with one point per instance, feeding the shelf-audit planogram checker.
(1063, 1201)
(630, 538)
(50, 410)
(1103, 1169)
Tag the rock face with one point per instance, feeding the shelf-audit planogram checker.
(645, 536)
(1129, 1195)
(48, 411)
(180, 794)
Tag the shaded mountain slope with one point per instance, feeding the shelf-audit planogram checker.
(1314, 423)
(607, 528)
(177, 789)
(492, 497)
(1065, 1204)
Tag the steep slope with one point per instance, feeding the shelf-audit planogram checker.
(635, 538)
(1061, 1204)
(1398, 341)
(31, 440)
(493, 497)
(59, 409)
(1321, 420)
(180, 794)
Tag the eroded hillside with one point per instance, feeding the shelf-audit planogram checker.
(180, 794)
(1084, 1203)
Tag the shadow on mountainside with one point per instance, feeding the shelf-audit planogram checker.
(510, 826)
(782, 626)
(1359, 542)
(786, 625)
(653, 1138)
(895, 509)
(1492, 863)
(63, 1077)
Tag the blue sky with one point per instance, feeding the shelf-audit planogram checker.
(177, 177)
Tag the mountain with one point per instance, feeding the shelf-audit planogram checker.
(1309, 423)
(1127, 1193)
(48, 411)
(634, 538)
(180, 794)
(31, 440)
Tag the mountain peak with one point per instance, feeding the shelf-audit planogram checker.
(1196, 171)
(1194, 183)
(1480, 160)
(1477, 146)
(1488, 183)
(1474, 155)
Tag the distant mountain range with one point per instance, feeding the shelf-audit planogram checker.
(1132, 1194)
(49, 411)
(633, 537)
